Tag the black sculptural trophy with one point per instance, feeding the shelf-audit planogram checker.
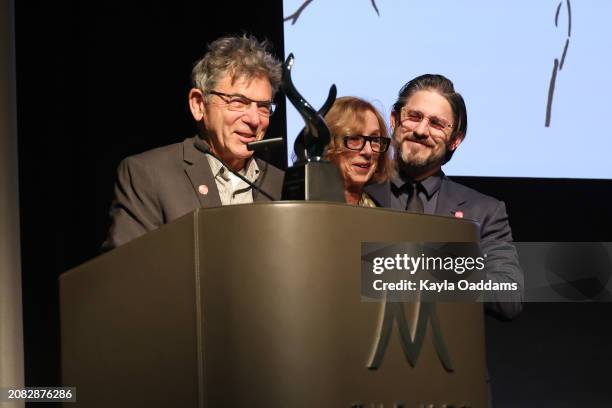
(311, 177)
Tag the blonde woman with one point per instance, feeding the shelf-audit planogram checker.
(359, 146)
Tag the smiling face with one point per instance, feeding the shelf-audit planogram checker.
(420, 134)
(358, 167)
(228, 131)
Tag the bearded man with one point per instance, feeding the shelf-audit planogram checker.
(429, 122)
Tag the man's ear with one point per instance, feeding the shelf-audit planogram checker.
(392, 120)
(457, 140)
(196, 104)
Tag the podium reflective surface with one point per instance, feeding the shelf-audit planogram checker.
(260, 305)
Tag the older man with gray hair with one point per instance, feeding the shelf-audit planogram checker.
(231, 100)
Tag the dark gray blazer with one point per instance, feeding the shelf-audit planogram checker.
(495, 235)
(158, 186)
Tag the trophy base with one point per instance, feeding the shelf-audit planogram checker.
(313, 181)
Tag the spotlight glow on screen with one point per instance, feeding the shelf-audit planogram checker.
(535, 75)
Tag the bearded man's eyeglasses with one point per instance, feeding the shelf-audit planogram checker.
(411, 119)
(240, 103)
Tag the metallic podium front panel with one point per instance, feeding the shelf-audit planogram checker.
(128, 323)
(258, 305)
(283, 323)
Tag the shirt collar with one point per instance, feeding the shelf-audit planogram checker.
(250, 170)
(430, 185)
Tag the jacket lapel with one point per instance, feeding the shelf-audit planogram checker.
(199, 173)
(380, 193)
(450, 199)
(263, 182)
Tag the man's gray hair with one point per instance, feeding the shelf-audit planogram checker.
(240, 57)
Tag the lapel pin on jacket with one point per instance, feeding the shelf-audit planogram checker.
(458, 214)
(203, 189)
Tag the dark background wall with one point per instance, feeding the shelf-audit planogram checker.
(98, 81)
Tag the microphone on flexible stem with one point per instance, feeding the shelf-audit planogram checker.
(263, 146)
(254, 146)
(204, 148)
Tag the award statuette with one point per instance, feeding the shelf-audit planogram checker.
(311, 177)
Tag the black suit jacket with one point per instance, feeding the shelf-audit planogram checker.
(495, 235)
(160, 185)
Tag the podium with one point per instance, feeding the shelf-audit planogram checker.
(260, 305)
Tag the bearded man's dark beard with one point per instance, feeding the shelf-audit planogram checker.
(413, 167)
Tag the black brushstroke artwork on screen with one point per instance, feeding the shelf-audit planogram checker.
(297, 13)
(558, 64)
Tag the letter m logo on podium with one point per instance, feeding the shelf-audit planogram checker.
(411, 341)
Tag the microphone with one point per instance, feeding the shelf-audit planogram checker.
(264, 143)
(204, 148)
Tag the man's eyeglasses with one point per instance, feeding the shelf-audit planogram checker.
(240, 103)
(412, 118)
(379, 144)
